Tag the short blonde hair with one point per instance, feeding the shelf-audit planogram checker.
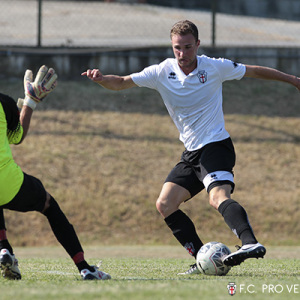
(184, 27)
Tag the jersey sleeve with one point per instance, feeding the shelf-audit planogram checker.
(15, 136)
(146, 78)
(229, 70)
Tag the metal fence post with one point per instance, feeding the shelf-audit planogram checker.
(213, 13)
(39, 43)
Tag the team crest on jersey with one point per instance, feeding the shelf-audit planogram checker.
(202, 75)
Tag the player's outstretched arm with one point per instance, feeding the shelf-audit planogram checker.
(271, 74)
(35, 91)
(112, 82)
(25, 117)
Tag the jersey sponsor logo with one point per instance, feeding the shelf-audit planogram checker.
(202, 75)
(172, 75)
(213, 177)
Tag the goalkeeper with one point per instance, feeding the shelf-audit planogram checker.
(22, 192)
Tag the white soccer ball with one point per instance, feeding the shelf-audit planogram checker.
(209, 259)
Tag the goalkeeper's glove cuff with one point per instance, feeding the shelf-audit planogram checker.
(20, 103)
(29, 102)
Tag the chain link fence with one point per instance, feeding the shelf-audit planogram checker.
(131, 24)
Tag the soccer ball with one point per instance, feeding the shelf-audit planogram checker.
(209, 259)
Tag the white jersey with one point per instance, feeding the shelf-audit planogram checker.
(194, 101)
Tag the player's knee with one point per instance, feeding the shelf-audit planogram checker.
(165, 207)
(47, 202)
(217, 195)
(161, 205)
(50, 205)
(213, 201)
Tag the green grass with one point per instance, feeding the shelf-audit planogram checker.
(140, 272)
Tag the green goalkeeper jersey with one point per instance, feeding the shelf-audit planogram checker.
(11, 131)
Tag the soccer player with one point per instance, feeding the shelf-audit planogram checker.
(22, 192)
(191, 88)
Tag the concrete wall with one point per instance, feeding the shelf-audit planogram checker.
(282, 9)
(70, 63)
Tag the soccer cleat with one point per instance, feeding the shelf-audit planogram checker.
(96, 275)
(191, 271)
(9, 265)
(245, 252)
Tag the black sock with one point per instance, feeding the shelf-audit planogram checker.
(62, 229)
(236, 218)
(81, 263)
(84, 265)
(184, 230)
(6, 245)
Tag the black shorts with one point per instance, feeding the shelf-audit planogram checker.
(31, 196)
(214, 159)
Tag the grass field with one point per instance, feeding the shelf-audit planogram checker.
(149, 272)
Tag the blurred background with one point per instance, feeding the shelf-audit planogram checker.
(104, 155)
(126, 35)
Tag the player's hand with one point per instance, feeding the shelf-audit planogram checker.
(44, 83)
(94, 75)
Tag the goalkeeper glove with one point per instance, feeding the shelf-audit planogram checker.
(44, 83)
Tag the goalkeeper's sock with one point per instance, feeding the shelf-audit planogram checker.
(236, 218)
(81, 263)
(4, 243)
(184, 231)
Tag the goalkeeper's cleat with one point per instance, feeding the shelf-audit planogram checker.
(9, 265)
(247, 251)
(96, 275)
(191, 271)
